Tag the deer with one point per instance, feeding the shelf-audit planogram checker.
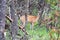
(30, 18)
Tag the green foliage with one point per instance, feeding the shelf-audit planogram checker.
(39, 32)
(52, 3)
(35, 11)
(8, 36)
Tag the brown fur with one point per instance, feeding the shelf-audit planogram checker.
(30, 18)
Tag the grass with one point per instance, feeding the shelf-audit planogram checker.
(38, 33)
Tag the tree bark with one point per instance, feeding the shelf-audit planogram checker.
(14, 26)
(41, 9)
(2, 18)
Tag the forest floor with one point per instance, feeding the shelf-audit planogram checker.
(38, 33)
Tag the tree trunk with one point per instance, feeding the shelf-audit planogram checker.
(2, 18)
(41, 9)
(14, 26)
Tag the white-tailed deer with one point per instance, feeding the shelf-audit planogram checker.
(30, 18)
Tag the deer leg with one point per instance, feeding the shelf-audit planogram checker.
(31, 26)
(21, 22)
(24, 24)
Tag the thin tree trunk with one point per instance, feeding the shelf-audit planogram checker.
(41, 7)
(2, 18)
(27, 11)
(14, 26)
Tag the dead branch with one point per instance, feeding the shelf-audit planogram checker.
(23, 29)
(11, 20)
